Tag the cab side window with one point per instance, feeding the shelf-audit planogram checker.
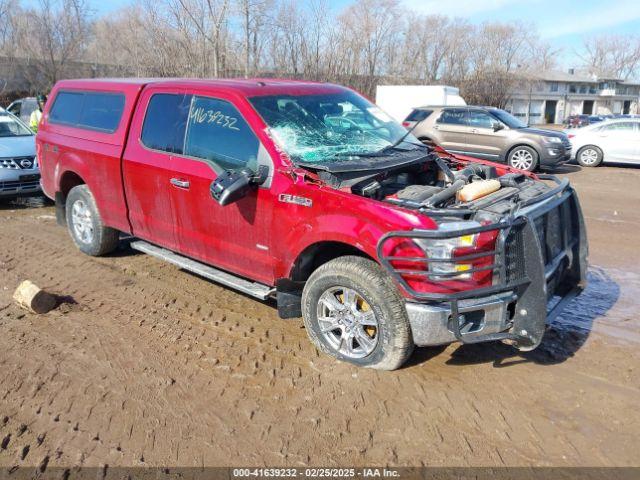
(478, 119)
(218, 133)
(454, 116)
(619, 127)
(165, 122)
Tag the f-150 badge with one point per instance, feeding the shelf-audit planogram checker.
(286, 198)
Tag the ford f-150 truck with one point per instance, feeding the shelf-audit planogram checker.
(309, 194)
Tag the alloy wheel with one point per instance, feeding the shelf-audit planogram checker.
(82, 222)
(521, 159)
(589, 156)
(347, 322)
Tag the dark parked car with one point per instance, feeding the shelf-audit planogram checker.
(577, 121)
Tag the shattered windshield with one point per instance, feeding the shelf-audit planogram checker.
(329, 127)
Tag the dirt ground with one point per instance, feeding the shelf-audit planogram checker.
(143, 364)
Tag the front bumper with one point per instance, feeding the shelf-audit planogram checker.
(555, 155)
(19, 183)
(540, 260)
(479, 317)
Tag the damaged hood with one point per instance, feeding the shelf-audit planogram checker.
(356, 163)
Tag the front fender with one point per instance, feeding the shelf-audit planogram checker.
(353, 221)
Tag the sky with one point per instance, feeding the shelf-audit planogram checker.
(564, 23)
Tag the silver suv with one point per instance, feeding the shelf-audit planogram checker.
(491, 134)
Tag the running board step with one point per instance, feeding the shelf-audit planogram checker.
(254, 289)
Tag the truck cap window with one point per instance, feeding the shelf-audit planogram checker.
(165, 122)
(90, 110)
(217, 132)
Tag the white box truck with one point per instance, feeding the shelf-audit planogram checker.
(399, 100)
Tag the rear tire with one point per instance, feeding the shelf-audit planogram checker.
(360, 300)
(589, 156)
(85, 224)
(523, 158)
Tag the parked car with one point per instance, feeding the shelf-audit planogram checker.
(23, 108)
(596, 119)
(577, 121)
(19, 173)
(491, 134)
(611, 141)
(310, 194)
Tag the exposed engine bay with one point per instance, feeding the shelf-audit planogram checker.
(441, 184)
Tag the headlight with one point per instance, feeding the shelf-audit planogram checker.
(443, 249)
(553, 139)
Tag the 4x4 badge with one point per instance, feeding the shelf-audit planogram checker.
(286, 198)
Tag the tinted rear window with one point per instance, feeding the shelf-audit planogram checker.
(418, 115)
(90, 110)
(165, 122)
(456, 116)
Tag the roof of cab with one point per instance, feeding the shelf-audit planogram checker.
(247, 87)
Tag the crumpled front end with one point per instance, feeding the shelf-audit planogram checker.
(536, 265)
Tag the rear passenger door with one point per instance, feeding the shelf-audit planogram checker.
(235, 237)
(453, 130)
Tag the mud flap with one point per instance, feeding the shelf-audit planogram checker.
(61, 214)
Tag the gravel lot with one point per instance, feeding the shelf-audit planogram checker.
(145, 364)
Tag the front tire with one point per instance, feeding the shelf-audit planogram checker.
(85, 224)
(354, 312)
(589, 156)
(523, 158)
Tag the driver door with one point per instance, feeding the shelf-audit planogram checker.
(234, 237)
(484, 141)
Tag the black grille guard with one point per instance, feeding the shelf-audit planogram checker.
(528, 283)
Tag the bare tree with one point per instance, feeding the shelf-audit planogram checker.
(208, 19)
(365, 44)
(8, 9)
(493, 71)
(52, 35)
(611, 54)
(254, 18)
(367, 27)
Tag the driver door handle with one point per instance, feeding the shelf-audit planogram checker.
(180, 183)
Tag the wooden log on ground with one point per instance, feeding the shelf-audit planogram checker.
(30, 296)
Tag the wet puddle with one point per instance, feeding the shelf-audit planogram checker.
(607, 306)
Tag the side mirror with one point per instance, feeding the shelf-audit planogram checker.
(232, 185)
(497, 126)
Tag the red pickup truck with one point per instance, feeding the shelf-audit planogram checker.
(309, 194)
